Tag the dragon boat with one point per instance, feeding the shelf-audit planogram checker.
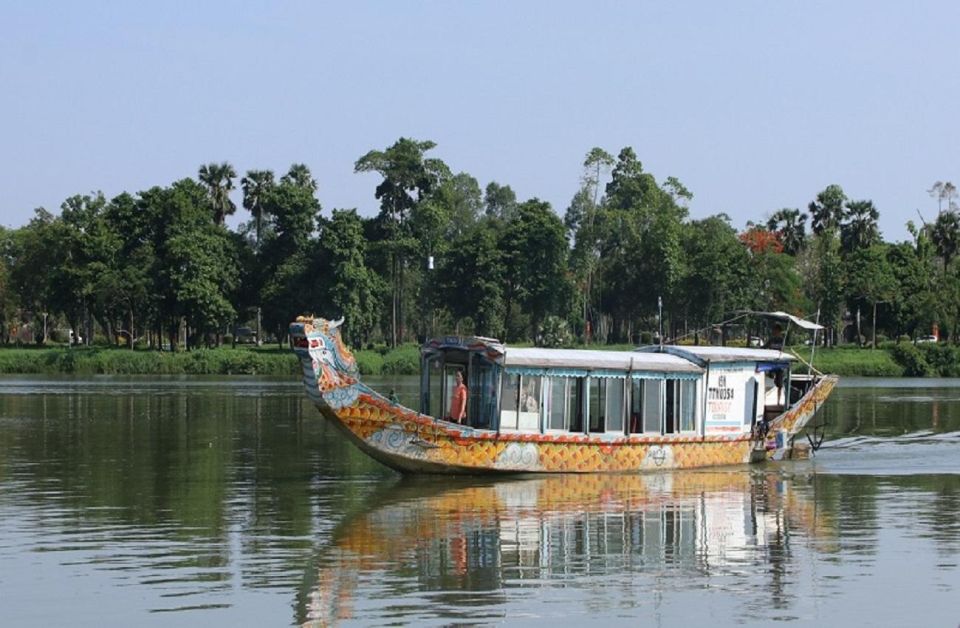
(534, 410)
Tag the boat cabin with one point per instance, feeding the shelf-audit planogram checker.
(652, 391)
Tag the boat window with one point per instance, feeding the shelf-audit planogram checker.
(652, 392)
(508, 401)
(688, 405)
(482, 391)
(750, 403)
(671, 407)
(558, 407)
(434, 402)
(681, 406)
(596, 398)
(636, 407)
(614, 405)
(529, 418)
(575, 413)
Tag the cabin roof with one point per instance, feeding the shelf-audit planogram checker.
(697, 353)
(595, 359)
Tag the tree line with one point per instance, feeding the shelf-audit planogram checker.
(161, 268)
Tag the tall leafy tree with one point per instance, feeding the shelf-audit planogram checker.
(916, 301)
(88, 247)
(8, 296)
(716, 276)
(37, 253)
(194, 266)
(256, 185)
(286, 254)
(825, 282)
(869, 280)
(859, 228)
(409, 177)
(945, 236)
(536, 263)
(499, 201)
(630, 187)
(218, 179)
(595, 164)
(299, 175)
(352, 289)
(123, 288)
(826, 211)
(790, 226)
(472, 280)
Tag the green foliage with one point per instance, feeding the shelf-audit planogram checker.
(826, 211)
(535, 255)
(350, 288)
(404, 360)
(717, 264)
(369, 362)
(554, 332)
(944, 359)
(160, 265)
(113, 361)
(472, 280)
(913, 360)
(790, 226)
(853, 362)
(859, 229)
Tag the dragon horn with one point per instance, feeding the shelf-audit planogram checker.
(336, 324)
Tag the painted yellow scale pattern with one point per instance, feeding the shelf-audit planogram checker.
(538, 452)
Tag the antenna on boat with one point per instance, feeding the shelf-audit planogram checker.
(813, 345)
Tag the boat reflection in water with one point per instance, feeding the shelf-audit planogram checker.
(446, 549)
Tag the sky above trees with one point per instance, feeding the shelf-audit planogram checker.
(751, 106)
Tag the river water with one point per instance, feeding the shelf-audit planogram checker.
(199, 502)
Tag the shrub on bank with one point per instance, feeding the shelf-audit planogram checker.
(943, 358)
(912, 359)
(370, 362)
(852, 362)
(404, 360)
(110, 361)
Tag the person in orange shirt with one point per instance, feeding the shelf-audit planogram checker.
(458, 403)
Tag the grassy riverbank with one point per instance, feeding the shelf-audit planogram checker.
(853, 362)
(221, 361)
(890, 360)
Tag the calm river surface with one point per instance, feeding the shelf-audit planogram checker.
(202, 502)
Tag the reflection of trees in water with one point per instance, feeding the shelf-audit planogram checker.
(176, 469)
(889, 411)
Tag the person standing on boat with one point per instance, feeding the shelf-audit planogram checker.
(458, 403)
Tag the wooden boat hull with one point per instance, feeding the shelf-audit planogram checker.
(410, 442)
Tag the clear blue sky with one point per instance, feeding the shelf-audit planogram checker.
(753, 105)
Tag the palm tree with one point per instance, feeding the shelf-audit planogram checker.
(790, 224)
(255, 186)
(827, 211)
(946, 236)
(859, 231)
(300, 176)
(219, 181)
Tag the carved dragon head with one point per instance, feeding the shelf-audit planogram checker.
(331, 361)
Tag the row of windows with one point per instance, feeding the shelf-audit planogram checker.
(538, 404)
(597, 405)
